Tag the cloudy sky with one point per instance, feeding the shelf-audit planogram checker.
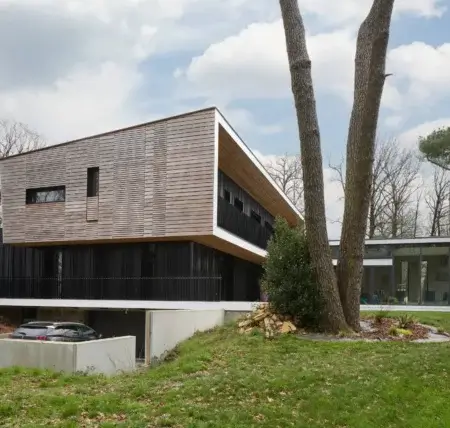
(71, 68)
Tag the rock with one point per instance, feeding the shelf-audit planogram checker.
(245, 323)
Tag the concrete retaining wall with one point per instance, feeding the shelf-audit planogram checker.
(107, 356)
(165, 329)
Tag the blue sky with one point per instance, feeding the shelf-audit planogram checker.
(72, 68)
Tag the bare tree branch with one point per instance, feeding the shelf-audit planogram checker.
(437, 203)
(286, 170)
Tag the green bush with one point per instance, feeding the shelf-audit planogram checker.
(406, 320)
(288, 278)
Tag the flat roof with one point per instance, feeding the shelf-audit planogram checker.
(401, 241)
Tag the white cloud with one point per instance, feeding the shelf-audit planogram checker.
(85, 102)
(410, 138)
(73, 67)
(423, 72)
(253, 64)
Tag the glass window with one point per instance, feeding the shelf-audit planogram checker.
(93, 179)
(46, 194)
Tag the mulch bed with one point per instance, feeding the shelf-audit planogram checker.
(381, 330)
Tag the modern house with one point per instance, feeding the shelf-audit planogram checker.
(405, 271)
(176, 210)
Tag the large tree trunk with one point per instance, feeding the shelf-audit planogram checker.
(370, 60)
(311, 157)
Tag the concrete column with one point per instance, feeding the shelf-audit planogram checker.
(371, 282)
(393, 280)
(148, 337)
(448, 292)
(422, 281)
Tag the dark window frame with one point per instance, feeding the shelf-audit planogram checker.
(239, 204)
(227, 195)
(268, 226)
(93, 182)
(255, 216)
(32, 195)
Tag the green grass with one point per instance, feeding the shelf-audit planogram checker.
(222, 379)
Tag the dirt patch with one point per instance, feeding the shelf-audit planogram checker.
(388, 329)
(385, 329)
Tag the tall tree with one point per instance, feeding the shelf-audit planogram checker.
(286, 170)
(436, 147)
(342, 294)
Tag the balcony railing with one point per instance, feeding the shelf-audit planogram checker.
(180, 289)
(235, 221)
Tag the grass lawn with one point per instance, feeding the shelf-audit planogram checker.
(222, 379)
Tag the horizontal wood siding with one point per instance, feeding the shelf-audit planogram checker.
(156, 180)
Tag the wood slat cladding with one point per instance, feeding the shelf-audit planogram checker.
(92, 208)
(156, 180)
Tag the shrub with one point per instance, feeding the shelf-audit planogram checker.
(405, 321)
(395, 331)
(288, 278)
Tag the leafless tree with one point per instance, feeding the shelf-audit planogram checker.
(341, 292)
(402, 182)
(16, 137)
(394, 205)
(286, 170)
(384, 150)
(437, 202)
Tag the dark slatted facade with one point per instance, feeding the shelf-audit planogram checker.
(135, 271)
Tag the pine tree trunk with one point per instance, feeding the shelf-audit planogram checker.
(370, 75)
(311, 157)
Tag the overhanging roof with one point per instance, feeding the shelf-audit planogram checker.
(240, 164)
(426, 240)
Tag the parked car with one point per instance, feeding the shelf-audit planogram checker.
(55, 332)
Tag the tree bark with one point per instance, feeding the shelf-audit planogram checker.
(311, 157)
(370, 61)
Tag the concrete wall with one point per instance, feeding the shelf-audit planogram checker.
(108, 356)
(165, 329)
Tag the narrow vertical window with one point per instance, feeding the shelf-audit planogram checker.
(93, 176)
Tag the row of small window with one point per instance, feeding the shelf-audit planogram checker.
(240, 206)
(44, 195)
